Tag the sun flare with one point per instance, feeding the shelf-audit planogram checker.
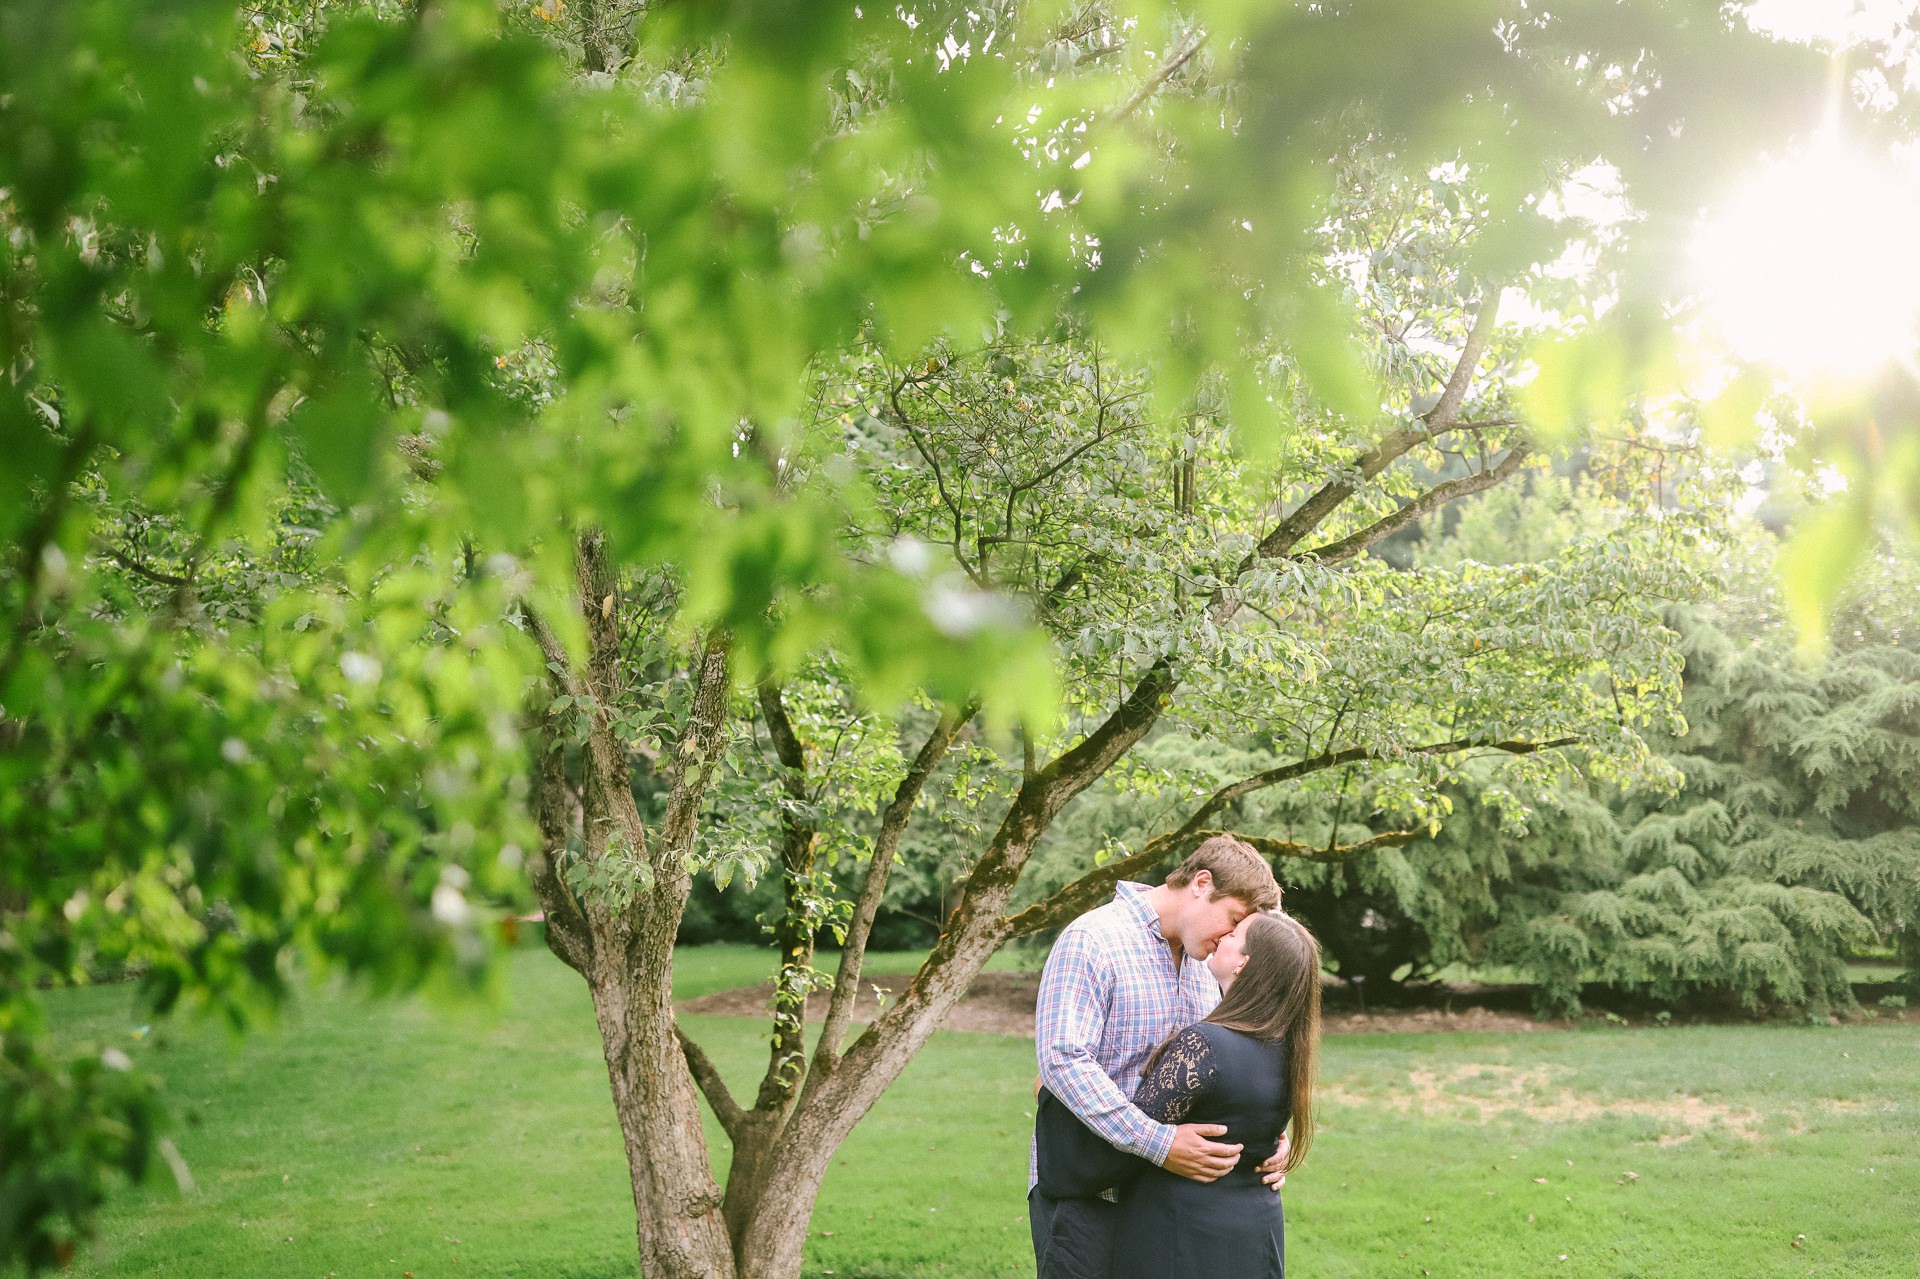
(1813, 265)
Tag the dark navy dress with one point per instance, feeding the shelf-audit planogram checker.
(1173, 1228)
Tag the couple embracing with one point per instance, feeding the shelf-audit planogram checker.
(1177, 1031)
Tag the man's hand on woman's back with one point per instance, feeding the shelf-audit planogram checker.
(1197, 1157)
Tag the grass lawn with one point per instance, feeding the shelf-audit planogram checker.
(385, 1138)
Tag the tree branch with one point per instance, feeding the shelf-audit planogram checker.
(976, 920)
(139, 567)
(1310, 514)
(1441, 415)
(732, 1118)
(599, 588)
(1196, 40)
(1056, 594)
(939, 476)
(1438, 496)
(893, 824)
(568, 933)
(1045, 473)
(1327, 853)
(1092, 888)
(786, 742)
(793, 930)
(698, 753)
(1313, 512)
(1046, 792)
(559, 664)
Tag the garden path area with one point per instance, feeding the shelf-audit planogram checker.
(1002, 1003)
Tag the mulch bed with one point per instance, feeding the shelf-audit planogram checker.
(1002, 1004)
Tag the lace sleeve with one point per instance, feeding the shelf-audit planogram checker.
(1181, 1077)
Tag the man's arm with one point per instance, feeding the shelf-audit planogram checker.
(1183, 1075)
(1076, 988)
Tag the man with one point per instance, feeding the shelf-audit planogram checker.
(1122, 978)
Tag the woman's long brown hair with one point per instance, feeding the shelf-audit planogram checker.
(1276, 998)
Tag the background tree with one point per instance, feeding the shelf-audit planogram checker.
(1794, 843)
(1189, 589)
(1785, 849)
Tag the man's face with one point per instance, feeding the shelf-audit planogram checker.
(1209, 918)
(1229, 956)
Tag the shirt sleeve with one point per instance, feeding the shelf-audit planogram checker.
(1183, 1074)
(1076, 989)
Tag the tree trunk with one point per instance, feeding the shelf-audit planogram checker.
(621, 939)
(773, 1244)
(757, 1132)
(754, 1141)
(676, 1200)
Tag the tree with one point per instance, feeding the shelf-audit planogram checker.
(1188, 589)
(244, 729)
(1785, 845)
(1794, 844)
(570, 358)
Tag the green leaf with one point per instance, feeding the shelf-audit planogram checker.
(1580, 381)
(341, 430)
(32, 458)
(1819, 557)
(1730, 420)
(1327, 358)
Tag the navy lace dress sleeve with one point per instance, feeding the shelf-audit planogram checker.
(1183, 1074)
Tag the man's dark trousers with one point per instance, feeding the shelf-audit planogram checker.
(1072, 1238)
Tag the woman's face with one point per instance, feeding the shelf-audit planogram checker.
(1230, 956)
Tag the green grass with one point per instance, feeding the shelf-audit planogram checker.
(378, 1138)
(1875, 970)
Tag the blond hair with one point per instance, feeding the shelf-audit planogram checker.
(1237, 870)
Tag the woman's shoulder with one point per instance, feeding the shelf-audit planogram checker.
(1215, 1039)
(1226, 1039)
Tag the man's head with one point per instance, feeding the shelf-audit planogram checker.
(1221, 883)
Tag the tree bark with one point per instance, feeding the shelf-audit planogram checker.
(621, 939)
(759, 1129)
(677, 1204)
(893, 824)
(682, 1229)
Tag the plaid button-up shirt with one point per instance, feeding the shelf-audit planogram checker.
(1108, 996)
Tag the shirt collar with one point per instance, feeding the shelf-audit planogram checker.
(1132, 898)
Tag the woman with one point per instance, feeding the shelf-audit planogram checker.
(1249, 1066)
(1229, 956)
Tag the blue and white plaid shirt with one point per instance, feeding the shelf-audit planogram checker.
(1108, 996)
